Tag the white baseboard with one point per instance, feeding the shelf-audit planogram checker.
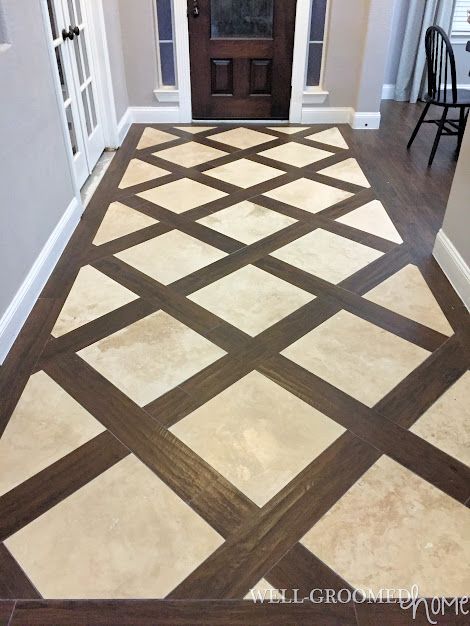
(388, 92)
(17, 313)
(453, 266)
(365, 121)
(124, 126)
(155, 115)
(326, 115)
(340, 115)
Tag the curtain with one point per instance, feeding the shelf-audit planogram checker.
(422, 14)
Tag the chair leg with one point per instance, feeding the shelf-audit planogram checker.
(438, 135)
(462, 124)
(418, 125)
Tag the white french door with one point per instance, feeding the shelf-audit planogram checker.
(71, 43)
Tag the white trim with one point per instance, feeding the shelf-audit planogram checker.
(453, 266)
(388, 92)
(104, 83)
(183, 65)
(167, 94)
(315, 95)
(155, 115)
(365, 121)
(299, 62)
(124, 126)
(20, 307)
(326, 115)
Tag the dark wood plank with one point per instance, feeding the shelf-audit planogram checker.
(256, 546)
(6, 612)
(47, 488)
(14, 584)
(432, 464)
(178, 613)
(20, 363)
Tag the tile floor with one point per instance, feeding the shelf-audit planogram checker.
(246, 364)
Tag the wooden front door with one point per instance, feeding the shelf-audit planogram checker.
(241, 58)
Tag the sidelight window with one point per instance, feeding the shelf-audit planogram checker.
(316, 42)
(165, 42)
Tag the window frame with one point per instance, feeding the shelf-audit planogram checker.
(165, 93)
(309, 89)
(456, 31)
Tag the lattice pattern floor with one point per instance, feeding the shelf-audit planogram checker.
(248, 383)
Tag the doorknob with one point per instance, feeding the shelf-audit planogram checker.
(195, 8)
(68, 34)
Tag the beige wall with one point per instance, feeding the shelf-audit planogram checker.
(140, 55)
(457, 218)
(116, 56)
(345, 44)
(374, 55)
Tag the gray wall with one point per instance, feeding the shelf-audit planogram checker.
(116, 57)
(457, 218)
(35, 182)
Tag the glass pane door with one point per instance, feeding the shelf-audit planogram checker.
(69, 97)
(84, 79)
(242, 19)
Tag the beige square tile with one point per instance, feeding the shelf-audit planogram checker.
(120, 220)
(288, 130)
(171, 256)
(242, 138)
(46, 425)
(257, 435)
(190, 154)
(308, 195)
(182, 195)
(264, 591)
(446, 424)
(357, 357)
(124, 535)
(327, 255)
(151, 356)
(251, 299)
(348, 171)
(194, 129)
(139, 172)
(244, 173)
(331, 137)
(247, 222)
(394, 530)
(372, 218)
(407, 293)
(92, 295)
(296, 154)
(154, 137)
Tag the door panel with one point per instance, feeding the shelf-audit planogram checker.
(241, 58)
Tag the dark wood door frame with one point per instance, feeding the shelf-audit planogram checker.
(241, 78)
